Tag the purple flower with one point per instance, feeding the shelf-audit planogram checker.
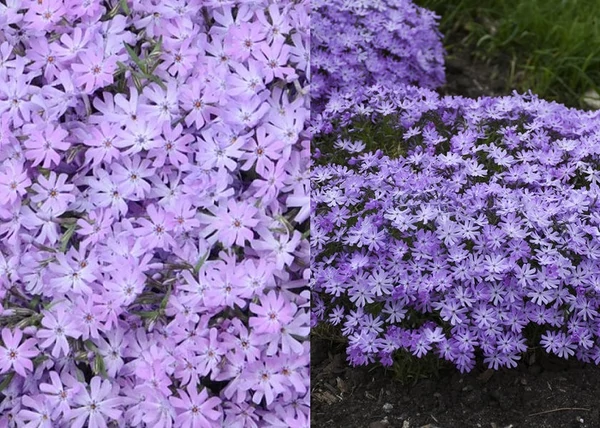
(53, 193)
(196, 409)
(96, 405)
(57, 327)
(16, 355)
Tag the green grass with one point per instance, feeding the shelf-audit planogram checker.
(549, 46)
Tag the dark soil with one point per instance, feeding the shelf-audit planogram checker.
(473, 77)
(549, 393)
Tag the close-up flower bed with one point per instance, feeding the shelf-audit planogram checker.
(154, 213)
(478, 238)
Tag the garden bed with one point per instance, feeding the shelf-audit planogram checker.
(541, 392)
(548, 393)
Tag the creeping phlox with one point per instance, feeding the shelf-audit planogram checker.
(154, 213)
(386, 42)
(479, 237)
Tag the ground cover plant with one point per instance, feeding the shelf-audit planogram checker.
(383, 42)
(153, 213)
(479, 237)
(456, 227)
(549, 47)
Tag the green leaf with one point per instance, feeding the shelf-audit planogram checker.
(91, 346)
(125, 7)
(136, 81)
(135, 58)
(7, 380)
(149, 315)
(64, 241)
(155, 79)
(79, 375)
(72, 152)
(165, 300)
(111, 14)
(157, 49)
(200, 263)
(99, 366)
(286, 223)
(34, 302)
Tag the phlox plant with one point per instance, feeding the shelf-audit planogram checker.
(386, 42)
(154, 213)
(473, 235)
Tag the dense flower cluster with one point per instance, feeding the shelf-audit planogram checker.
(478, 239)
(153, 212)
(356, 44)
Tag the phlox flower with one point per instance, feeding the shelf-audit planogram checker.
(96, 227)
(240, 415)
(277, 24)
(298, 327)
(265, 378)
(37, 412)
(215, 151)
(130, 175)
(16, 355)
(46, 229)
(232, 222)
(111, 351)
(90, 317)
(138, 136)
(53, 192)
(157, 411)
(180, 61)
(73, 43)
(274, 57)
(100, 403)
(247, 81)
(71, 276)
(260, 149)
(165, 107)
(273, 313)
(196, 410)
(57, 325)
(273, 177)
(106, 192)
(45, 14)
(199, 101)
(279, 249)
(43, 144)
(13, 182)
(244, 39)
(94, 71)
(100, 140)
(173, 146)
(154, 231)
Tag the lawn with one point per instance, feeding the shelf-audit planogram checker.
(549, 47)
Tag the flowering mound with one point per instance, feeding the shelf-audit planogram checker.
(153, 212)
(357, 44)
(480, 238)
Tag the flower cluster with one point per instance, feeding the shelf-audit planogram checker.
(478, 238)
(387, 42)
(154, 213)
